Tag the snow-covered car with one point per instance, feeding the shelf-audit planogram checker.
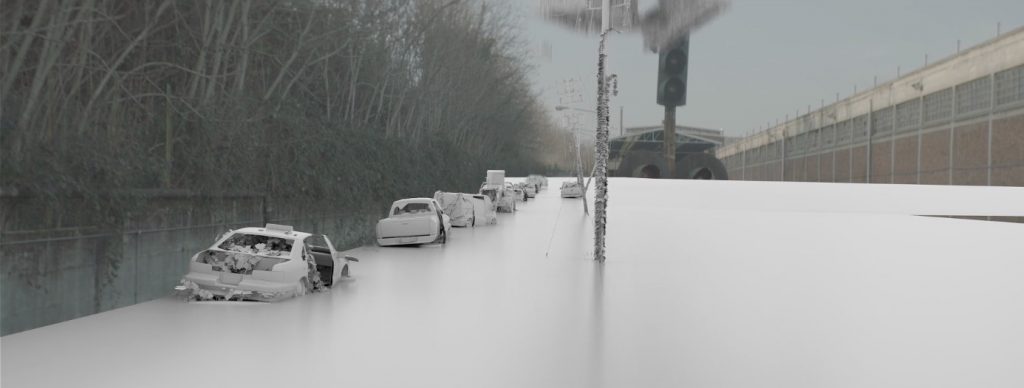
(528, 188)
(503, 197)
(571, 189)
(483, 210)
(458, 207)
(414, 221)
(265, 264)
(539, 181)
(517, 192)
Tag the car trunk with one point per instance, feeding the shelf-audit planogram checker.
(406, 227)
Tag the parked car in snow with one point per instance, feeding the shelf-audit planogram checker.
(517, 192)
(414, 221)
(458, 207)
(265, 264)
(539, 181)
(483, 210)
(502, 195)
(571, 189)
(528, 188)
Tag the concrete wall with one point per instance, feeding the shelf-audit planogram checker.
(76, 269)
(959, 121)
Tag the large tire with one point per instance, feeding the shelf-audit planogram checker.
(701, 166)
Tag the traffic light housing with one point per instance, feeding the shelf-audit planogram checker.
(672, 65)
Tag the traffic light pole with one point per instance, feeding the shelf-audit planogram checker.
(670, 142)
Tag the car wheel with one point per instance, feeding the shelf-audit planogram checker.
(304, 287)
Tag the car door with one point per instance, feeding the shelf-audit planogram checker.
(442, 218)
(339, 261)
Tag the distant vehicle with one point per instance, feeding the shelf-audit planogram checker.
(517, 192)
(529, 189)
(539, 181)
(502, 195)
(265, 264)
(414, 221)
(483, 210)
(458, 206)
(571, 189)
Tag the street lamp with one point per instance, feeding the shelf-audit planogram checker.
(579, 157)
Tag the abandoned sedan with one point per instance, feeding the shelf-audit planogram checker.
(414, 221)
(571, 189)
(529, 189)
(265, 264)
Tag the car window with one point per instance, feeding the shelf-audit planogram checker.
(413, 208)
(317, 243)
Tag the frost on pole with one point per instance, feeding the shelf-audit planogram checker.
(672, 19)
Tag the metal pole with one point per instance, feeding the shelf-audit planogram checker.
(579, 167)
(601, 154)
(669, 135)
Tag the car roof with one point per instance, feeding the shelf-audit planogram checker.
(412, 200)
(274, 233)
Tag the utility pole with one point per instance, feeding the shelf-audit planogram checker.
(662, 25)
(601, 154)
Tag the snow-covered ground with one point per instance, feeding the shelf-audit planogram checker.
(707, 284)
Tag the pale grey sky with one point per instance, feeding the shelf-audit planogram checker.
(765, 59)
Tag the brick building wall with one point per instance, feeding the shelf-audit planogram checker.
(957, 122)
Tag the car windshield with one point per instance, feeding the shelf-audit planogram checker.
(412, 208)
(257, 244)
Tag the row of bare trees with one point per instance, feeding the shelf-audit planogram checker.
(310, 98)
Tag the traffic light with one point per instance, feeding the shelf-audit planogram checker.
(672, 64)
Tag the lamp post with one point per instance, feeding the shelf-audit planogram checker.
(579, 156)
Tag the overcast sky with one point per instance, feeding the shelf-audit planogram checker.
(762, 60)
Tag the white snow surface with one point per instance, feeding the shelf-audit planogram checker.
(707, 284)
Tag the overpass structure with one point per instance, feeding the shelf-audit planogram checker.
(639, 152)
(959, 121)
(707, 283)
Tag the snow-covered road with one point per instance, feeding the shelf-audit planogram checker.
(707, 284)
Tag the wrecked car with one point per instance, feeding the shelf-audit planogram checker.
(265, 264)
(458, 207)
(414, 221)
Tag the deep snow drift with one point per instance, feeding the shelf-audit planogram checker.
(706, 284)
